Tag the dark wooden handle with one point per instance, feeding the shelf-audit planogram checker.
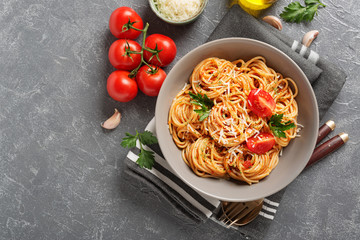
(328, 147)
(324, 130)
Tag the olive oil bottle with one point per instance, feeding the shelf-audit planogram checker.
(254, 7)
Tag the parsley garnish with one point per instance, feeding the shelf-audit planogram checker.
(277, 127)
(295, 12)
(146, 158)
(204, 102)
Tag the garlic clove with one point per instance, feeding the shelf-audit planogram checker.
(309, 37)
(113, 121)
(273, 21)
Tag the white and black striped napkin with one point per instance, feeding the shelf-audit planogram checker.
(327, 81)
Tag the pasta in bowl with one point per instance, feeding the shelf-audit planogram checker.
(217, 116)
(216, 146)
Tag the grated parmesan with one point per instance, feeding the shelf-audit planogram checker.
(221, 135)
(178, 10)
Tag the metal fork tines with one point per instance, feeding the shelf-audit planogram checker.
(240, 213)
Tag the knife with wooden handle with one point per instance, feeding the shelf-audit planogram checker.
(328, 147)
(325, 129)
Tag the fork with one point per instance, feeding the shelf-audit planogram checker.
(240, 213)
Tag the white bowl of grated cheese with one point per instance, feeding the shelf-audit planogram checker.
(178, 12)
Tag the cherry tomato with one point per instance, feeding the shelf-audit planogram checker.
(261, 103)
(122, 60)
(260, 143)
(165, 45)
(120, 87)
(150, 83)
(121, 16)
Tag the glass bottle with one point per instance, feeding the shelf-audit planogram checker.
(254, 7)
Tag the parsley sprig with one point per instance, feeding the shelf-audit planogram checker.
(295, 12)
(204, 102)
(146, 158)
(277, 127)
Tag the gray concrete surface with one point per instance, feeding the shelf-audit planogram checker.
(61, 175)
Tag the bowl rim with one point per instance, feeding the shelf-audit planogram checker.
(189, 20)
(307, 155)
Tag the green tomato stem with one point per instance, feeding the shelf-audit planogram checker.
(137, 29)
(152, 50)
(138, 138)
(134, 72)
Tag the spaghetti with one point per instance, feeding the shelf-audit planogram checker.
(216, 147)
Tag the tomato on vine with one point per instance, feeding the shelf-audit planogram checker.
(127, 55)
(121, 87)
(125, 23)
(160, 50)
(150, 80)
(122, 54)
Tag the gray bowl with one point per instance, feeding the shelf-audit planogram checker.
(183, 22)
(295, 155)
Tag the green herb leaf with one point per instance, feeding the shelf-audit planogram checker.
(146, 158)
(295, 12)
(203, 116)
(204, 102)
(277, 127)
(310, 13)
(129, 141)
(311, 2)
(147, 138)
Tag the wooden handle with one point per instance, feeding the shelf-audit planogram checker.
(328, 147)
(325, 129)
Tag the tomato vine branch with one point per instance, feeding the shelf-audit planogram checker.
(134, 72)
(154, 52)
